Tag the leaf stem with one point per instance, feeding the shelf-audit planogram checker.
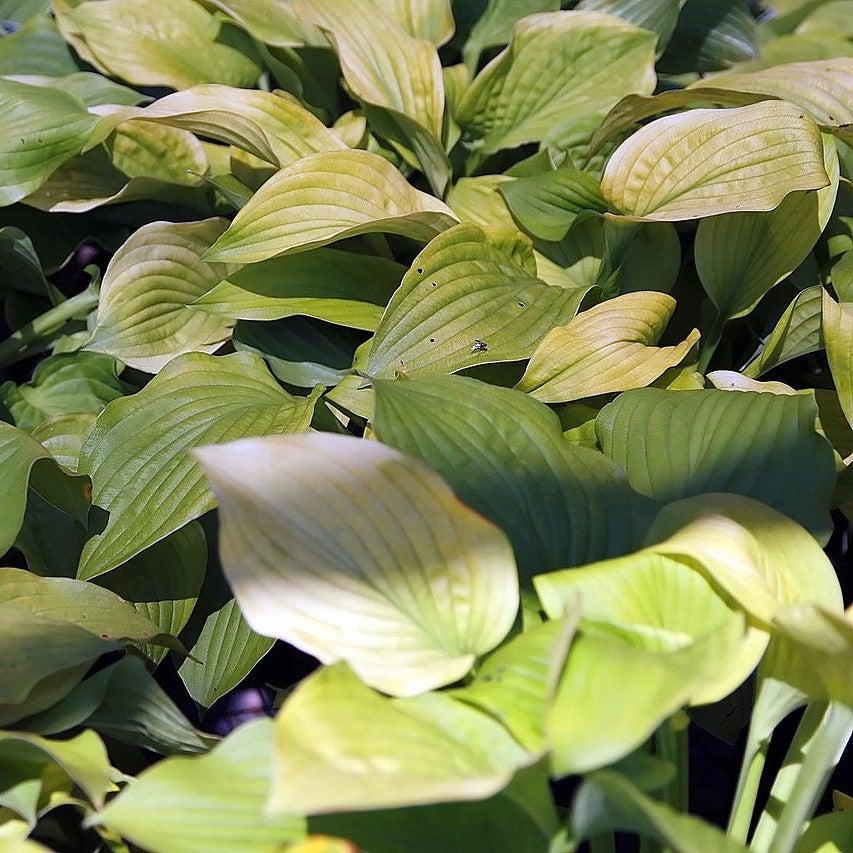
(747, 793)
(709, 343)
(46, 325)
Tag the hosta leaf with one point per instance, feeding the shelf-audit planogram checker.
(136, 453)
(547, 205)
(215, 802)
(174, 45)
(837, 331)
(607, 801)
(707, 162)
(79, 383)
(516, 684)
(684, 443)
(163, 582)
(36, 48)
(670, 606)
(145, 312)
(83, 758)
(92, 89)
(466, 431)
(494, 27)
(823, 88)
(329, 284)
(300, 556)
(62, 436)
(659, 16)
(41, 129)
(326, 197)
(387, 68)
(27, 465)
(740, 256)
(612, 685)
(608, 348)
(466, 301)
(523, 93)
(273, 127)
(797, 332)
(424, 19)
(426, 749)
(274, 23)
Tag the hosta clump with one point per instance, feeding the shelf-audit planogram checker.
(475, 380)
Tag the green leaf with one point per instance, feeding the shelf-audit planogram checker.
(547, 205)
(740, 256)
(300, 556)
(516, 683)
(36, 48)
(163, 582)
(83, 758)
(466, 300)
(822, 88)
(560, 505)
(146, 315)
(136, 453)
(27, 465)
(607, 801)
(827, 832)
(92, 89)
(424, 19)
(72, 383)
(685, 166)
(522, 94)
(330, 284)
(62, 436)
(425, 749)
(41, 129)
(659, 16)
(797, 332)
(684, 443)
(175, 45)
(215, 802)
(837, 331)
(397, 77)
(494, 27)
(274, 23)
(670, 607)
(608, 348)
(326, 197)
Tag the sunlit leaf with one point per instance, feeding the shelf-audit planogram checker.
(299, 553)
(837, 330)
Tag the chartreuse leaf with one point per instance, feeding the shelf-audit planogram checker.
(740, 256)
(516, 683)
(276, 24)
(300, 555)
(707, 162)
(92, 89)
(80, 383)
(560, 505)
(27, 465)
(326, 197)
(424, 19)
(837, 330)
(62, 436)
(607, 801)
(608, 348)
(797, 332)
(145, 312)
(136, 453)
(683, 443)
(330, 284)
(41, 129)
(659, 16)
(342, 746)
(610, 685)
(670, 606)
(214, 802)
(559, 66)
(547, 205)
(396, 76)
(823, 88)
(467, 300)
(174, 45)
(273, 127)
(36, 48)
(164, 581)
(83, 758)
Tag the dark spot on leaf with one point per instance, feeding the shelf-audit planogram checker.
(432, 340)
(420, 270)
(434, 284)
(521, 305)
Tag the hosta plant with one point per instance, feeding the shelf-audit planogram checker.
(426, 425)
